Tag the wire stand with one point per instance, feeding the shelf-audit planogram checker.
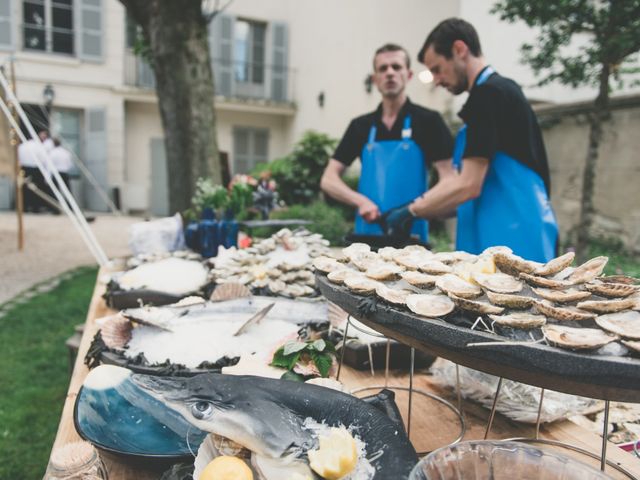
(410, 389)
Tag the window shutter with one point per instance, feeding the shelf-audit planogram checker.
(159, 179)
(90, 30)
(221, 48)
(279, 73)
(96, 155)
(6, 29)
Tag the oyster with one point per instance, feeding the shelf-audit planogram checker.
(430, 305)
(452, 284)
(276, 286)
(577, 338)
(625, 324)
(412, 260)
(417, 249)
(555, 265)
(326, 264)
(611, 290)
(491, 251)
(388, 253)
(446, 257)
(589, 270)
(296, 290)
(392, 295)
(384, 271)
(355, 249)
(338, 276)
(510, 301)
(420, 280)
(360, 284)
(545, 282)
(365, 260)
(434, 267)
(512, 264)
(546, 308)
(497, 282)
(475, 305)
(607, 306)
(519, 320)
(561, 296)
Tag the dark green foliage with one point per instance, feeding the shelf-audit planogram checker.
(328, 221)
(321, 352)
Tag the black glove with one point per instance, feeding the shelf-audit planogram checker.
(398, 222)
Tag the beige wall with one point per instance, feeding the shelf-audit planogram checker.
(617, 193)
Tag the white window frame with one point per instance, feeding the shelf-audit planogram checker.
(49, 29)
(253, 158)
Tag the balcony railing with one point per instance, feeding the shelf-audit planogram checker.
(138, 72)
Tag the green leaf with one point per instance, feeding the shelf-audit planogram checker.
(319, 345)
(323, 362)
(279, 359)
(292, 376)
(293, 347)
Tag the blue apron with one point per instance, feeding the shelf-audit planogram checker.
(513, 208)
(393, 174)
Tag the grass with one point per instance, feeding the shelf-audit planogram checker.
(35, 372)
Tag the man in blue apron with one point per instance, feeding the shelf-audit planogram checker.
(395, 143)
(501, 190)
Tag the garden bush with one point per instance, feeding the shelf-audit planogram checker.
(327, 220)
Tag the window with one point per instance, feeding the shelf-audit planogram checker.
(249, 51)
(48, 25)
(251, 146)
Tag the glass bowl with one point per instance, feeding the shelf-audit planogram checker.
(495, 460)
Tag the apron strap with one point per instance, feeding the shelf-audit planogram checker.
(372, 135)
(406, 128)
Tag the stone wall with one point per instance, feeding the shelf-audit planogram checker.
(617, 188)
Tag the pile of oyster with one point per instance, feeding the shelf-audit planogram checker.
(280, 265)
(576, 308)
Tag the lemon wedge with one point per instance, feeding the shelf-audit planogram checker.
(226, 468)
(337, 455)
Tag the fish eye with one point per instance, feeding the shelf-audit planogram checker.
(202, 410)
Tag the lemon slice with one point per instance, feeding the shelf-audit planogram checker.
(337, 455)
(226, 468)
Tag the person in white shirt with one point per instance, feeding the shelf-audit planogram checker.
(61, 159)
(27, 154)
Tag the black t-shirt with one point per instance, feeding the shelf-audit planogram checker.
(428, 130)
(499, 119)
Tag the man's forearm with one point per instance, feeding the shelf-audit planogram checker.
(335, 187)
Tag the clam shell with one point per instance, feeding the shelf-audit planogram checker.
(519, 320)
(512, 264)
(229, 291)
(607, 306)
(392, 295)
(577, 338)
(116, 331)
(510, 301)
(555, 265)
(355, 248)
(434, 267)
(546, 308)
(361, 284)
(384, 271)
(326, 264)
(544, 281)
(475, 305)
(497, 282)
(589, 270)
(625, 324)
(430, 305)
(611, 290)
(338, 276)
(420, 280)
(452, 284)
(561, 296)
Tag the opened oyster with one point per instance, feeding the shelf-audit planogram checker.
(497, 282)
(555, 265)
(589, 270)
(361, 285)
(577, 338)
(338, 276)
(412, 260)
(607, 306)
(420, 280)
(327, 264)
(512, 264)
(518, 302)
(561, 296)
(625, 324)
(388, 253)
(392, 295)
(519, 320)
(545, 282)
(434, 267)
(610, 290)
(430, 305)
(567, 314)
(475, 305)
(365, 260)
(452, 284)
(384, 271)
(355, 249)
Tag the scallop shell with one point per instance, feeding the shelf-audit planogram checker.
(430, 305)
(116, 331)
(625, 324)
(611, 290)
(607, 306)
(510, 301)
(475, 305)
(519, 320)
(588, 270)
(545, 282)
(384, 271)
(361, 285)
(229, 291)
(561, 296)
(450, 283)
(546, 308)
(355, 249)
(497, 282)
(420, 280)
(388, 253)
(434, 267)
(577, 338)
(326, 264)
(392, 295)
(338, 276)
(555, 265)
(512, 264)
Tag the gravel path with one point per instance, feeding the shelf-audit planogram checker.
(52, 246)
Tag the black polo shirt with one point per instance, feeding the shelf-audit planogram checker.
(428, 130)
(500, 119)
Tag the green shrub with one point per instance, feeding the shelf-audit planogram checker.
(328, 221)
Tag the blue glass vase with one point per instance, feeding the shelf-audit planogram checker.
(229, 231)
(209, 238)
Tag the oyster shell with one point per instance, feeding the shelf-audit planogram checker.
(497, 282)
(607, 306)
(392, 295)
(589, 270)
(561, 296)
(445, 257)
(434, 267)
(632, 345)
(555, 265)
(512, 264)
(475, 305)
(545, 282)
(417, 249)
(412, 260)
(519, 320)
(452, 284)
(420, 280)
(297, 290)
(510, 301)
(388, 253)
(356, 248)
(546, 308)
(276, 286)
(430, 305)
(625, 279)
(611, 290)
(360, 284)
(491, 251)
(577, 338)
(365, 260)
(338, 276)
(326, 264)
(625, 324)
(384, 271)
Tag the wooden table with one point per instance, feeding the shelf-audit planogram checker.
(433, 425)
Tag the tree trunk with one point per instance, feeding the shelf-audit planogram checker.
(596, 119)
(177, 36)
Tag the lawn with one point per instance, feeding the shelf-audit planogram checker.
(35, 372)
